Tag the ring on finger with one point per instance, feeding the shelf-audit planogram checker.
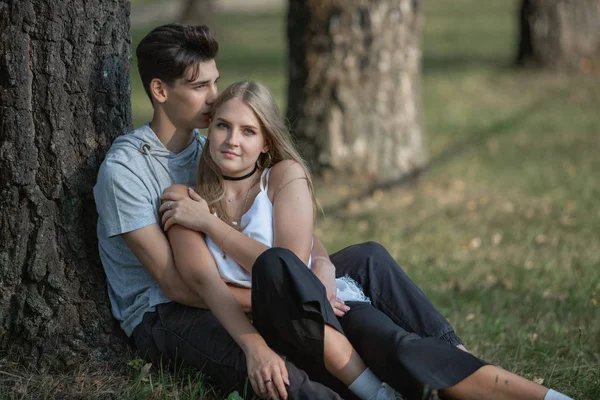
(169, 204)
(268, 380)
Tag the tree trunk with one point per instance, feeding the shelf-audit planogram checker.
(560, 34)
(198, 12)
(354, 77)
(64, 96)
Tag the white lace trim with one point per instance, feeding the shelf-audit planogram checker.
(349, 290)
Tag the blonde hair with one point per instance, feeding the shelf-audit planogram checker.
(210, 184)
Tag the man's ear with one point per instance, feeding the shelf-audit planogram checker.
(159, 90)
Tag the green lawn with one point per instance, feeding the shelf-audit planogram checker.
(502, 232)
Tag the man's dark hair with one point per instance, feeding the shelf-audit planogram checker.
(169, 50)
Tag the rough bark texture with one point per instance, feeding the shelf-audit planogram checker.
(64, 96)
(354, 77)
(560, 34)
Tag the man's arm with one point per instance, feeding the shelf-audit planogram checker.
(319, 249)
(152, 249)
(324, 269)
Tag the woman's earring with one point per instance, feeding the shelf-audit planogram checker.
(261, 164)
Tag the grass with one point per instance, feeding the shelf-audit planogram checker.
(501, 232)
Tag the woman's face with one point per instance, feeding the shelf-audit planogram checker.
(236, 140)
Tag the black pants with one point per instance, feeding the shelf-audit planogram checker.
(180, 334)
(290, 310)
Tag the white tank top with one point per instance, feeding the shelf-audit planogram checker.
(257, 223)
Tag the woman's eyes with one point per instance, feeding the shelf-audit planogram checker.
(247, 131)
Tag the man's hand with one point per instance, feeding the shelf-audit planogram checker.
(324, 269)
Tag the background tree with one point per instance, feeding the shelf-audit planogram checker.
(560, 34)
(64, 96)
(198, 12)
(353, 95)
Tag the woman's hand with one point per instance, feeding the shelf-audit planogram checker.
(267, 372)
(189, 211)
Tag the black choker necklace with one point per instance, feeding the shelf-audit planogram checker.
(241, 178)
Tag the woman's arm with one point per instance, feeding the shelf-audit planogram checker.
(191, 211)
(198, 269)
(292, 219)
(293, 213)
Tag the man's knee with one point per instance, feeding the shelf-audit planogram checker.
(371, 248)
(371, 251)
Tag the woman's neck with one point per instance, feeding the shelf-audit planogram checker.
(234, 188)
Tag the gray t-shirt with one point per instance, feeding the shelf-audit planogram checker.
(136, 171)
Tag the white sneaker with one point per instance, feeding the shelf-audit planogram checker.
(386, 392)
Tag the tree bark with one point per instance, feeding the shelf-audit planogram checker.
(64, 97)
(560, 35)
(354, 85)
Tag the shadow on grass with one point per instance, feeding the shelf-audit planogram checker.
(452, 151)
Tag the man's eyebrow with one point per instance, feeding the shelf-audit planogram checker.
(202, 82)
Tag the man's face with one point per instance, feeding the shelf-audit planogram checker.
(189, 100)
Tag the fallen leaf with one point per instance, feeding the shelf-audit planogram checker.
(529, 265)
(539, 381)
(406, 201)
(566, 220)
(470, 317)
(533, 337)
(496, 238)
(474, 243)
(491, 280)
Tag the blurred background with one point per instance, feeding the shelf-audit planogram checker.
(501, 227)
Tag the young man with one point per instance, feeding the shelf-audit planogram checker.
(166, 319)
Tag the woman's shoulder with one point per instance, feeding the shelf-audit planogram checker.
(284, 172)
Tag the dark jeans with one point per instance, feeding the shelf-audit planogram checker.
(291, 313)
(392, 291)
(180, 334)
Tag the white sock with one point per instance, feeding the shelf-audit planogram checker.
(366, 385)
(554, 395)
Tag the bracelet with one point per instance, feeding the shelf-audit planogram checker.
(321, 258)
(225, 238)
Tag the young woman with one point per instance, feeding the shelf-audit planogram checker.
(256, 206)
